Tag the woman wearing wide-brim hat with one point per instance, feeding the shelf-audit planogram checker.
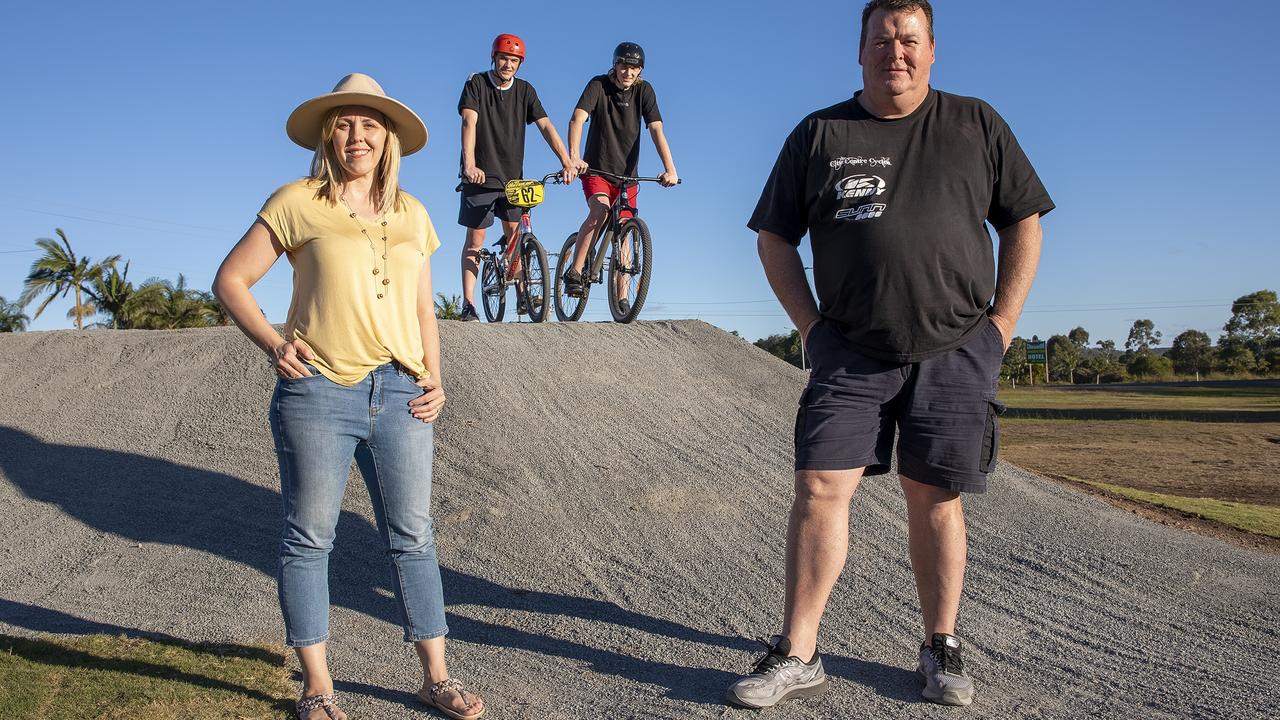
(359, 372)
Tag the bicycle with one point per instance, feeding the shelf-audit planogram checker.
(630, 261)
(528, 270)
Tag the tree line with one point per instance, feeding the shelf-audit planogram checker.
(103, 296)
(1249, 345)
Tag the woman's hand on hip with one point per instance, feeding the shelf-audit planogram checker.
(426, 407)
(288, 358)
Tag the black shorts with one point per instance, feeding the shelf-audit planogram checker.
(944, 409)
(480, 205)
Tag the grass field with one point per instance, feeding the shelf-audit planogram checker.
(101, 676)
(1209, 451)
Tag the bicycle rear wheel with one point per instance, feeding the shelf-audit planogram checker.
(493, 294)
(630, 265)
(569, 309)
(537, 284)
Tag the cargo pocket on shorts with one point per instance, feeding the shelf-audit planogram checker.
(991, 436)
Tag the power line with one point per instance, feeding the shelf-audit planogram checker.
(123, 215)
(118, 224)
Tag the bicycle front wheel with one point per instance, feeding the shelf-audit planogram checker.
(537, 284)
(630, 265)
(493, 294)
(569, 309)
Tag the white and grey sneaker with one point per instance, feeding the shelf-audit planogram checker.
(942, 670)
(778, 676)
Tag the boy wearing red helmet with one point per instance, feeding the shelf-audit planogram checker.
(615, 103)
(495, 107)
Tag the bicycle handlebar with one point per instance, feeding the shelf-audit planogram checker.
(554, 178)
(621, 178)
(557, 178)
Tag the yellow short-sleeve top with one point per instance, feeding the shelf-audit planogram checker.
(335, 308)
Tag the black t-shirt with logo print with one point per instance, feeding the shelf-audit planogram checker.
(502, 117)
(896, 211)
(613, 140)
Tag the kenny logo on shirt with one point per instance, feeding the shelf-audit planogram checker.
(858, 187)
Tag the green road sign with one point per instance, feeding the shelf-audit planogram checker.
(1037, 352)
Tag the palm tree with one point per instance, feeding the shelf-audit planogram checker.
(58, 272)
(12, 319)
(113, 294)
(81, 311)
(448, 308)
(175, 306)
(214, 312)
(124, 304)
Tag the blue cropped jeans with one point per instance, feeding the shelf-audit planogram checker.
(318, 426)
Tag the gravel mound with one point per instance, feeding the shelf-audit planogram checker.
(610, 503)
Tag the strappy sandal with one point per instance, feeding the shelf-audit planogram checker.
(316, 702)
(435, 691)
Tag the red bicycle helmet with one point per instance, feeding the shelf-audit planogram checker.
(509, 44)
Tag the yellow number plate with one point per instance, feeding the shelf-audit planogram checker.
(524, 193)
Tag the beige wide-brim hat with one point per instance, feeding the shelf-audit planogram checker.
(304, 125)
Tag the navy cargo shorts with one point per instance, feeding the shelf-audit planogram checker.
(479, 205)
(944, 410)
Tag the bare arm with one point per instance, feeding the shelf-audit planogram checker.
(669, 177)
(552, 137)
(785, 271)
(244, 266)
(1019, 257)
(426, 407)
(470, 172)
(578, 119)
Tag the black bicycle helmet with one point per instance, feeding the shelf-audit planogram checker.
(628, 53)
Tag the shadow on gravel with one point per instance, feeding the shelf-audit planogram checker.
(149, 500)
(697, 685)
(1207, 416)
(470, 590)
(894, 683)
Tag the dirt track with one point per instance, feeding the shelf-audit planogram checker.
(609, 506)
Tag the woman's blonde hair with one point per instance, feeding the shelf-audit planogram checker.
(327, 172)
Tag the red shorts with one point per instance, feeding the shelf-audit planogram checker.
(596, 185)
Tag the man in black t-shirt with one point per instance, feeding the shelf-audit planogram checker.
(495, 107)
(615, 103)
(894, 187)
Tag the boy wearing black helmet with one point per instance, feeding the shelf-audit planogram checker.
(496, 106)
(615, 103)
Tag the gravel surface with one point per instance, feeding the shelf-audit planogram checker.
(610, 504)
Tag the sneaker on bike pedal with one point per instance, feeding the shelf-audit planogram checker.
(778, 676)
(942, 670)
(468, 313)
(522, 308)
(572, 283)
(624, 306)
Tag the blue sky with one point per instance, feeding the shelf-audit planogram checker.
(156, 130)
